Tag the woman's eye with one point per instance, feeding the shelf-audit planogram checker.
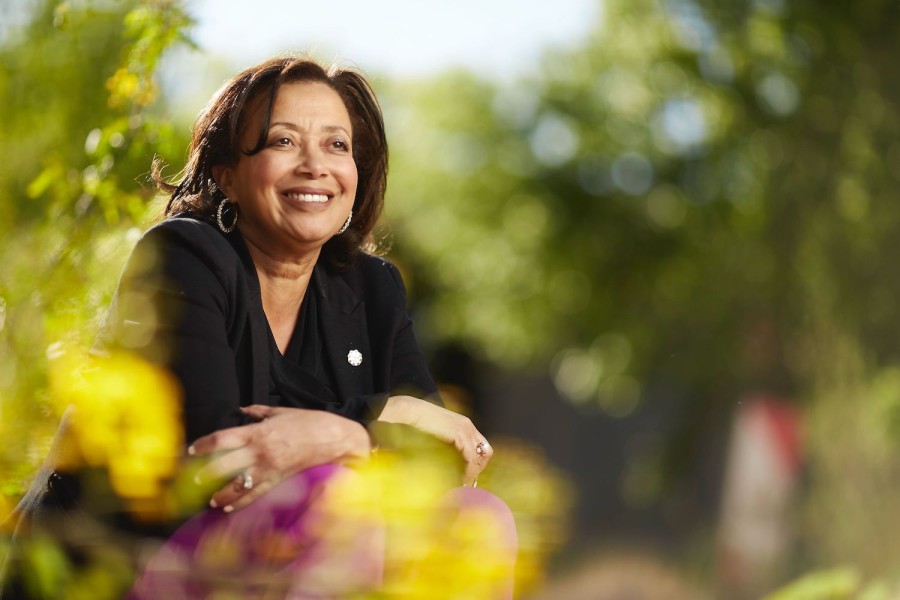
(282, 141)
(340, 145)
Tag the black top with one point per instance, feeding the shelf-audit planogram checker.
(299, 378)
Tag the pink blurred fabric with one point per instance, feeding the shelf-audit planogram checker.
(280, 547)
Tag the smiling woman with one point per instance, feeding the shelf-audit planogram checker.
(289, 341)
(263, 123)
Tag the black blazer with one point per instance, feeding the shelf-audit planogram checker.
(212, 332)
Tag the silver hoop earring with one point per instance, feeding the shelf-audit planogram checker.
(223, 206)
(346, 224)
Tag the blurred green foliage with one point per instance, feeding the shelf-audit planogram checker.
(711, 183)
(78, 81)
(702, 197)
(841, 583)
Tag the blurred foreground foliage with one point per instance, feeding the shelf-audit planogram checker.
(78, 81)
(123, 435)
(841, 583)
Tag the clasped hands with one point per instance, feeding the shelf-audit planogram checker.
(285, 441)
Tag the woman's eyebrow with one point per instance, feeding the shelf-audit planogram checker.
(295, 127)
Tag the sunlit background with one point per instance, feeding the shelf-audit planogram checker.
(650, 247)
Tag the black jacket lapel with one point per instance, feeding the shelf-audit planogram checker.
(259, 328)
(344, 331)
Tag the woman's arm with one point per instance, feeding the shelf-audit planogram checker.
(445, 425)
(178, 306)
(409, 371)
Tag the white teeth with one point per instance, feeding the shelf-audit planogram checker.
(309, 197)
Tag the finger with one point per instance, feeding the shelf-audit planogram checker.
(245, 499)
(470, 475)
(258, 411)
(225, 465)
(235, 497)
(225, 439)
(484, 450)
(477, 454)
(473, 466)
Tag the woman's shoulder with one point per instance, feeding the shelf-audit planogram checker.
(377, 269)
(188, 229)
(185, 249)
(185, 234)
(373, 262)
(371, 277)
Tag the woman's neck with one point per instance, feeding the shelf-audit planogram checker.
(282, 283)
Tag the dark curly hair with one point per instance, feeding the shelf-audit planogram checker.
(216, 136)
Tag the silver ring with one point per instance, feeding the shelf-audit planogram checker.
(245, 482)
(481, 448)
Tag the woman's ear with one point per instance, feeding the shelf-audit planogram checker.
(222, 176)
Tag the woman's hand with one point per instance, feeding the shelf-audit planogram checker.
(445, 425)
(283, 442)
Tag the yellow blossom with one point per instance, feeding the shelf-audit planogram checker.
(125, 416)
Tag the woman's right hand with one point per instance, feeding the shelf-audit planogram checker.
(283, 442)
(446, 425)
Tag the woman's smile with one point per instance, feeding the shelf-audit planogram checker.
(306, 195)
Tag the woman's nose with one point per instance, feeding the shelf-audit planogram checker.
(310, 162)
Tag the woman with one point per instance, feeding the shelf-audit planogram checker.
(288, 339)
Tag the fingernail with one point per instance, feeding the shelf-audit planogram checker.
(213, 503)
(191, 450)
(228, 509)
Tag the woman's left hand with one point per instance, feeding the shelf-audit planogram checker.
(282, 443)
(445, 425)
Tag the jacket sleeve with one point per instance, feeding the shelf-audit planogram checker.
(409, 369)
(178, 306)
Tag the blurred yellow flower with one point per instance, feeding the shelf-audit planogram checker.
(125, 86)
(125, 415)
(437, 547)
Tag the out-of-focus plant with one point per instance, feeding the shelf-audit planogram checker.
(124, 417)
(123, 437)
(434, 548)
(435, 539)
(685, 197)
(842, 583)
(701, 197)
(76, 89)
(79, 82)
(540, 497)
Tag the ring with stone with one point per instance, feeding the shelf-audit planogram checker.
(244, 482)
(482, 448)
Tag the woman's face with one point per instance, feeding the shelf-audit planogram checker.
(295, 193)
